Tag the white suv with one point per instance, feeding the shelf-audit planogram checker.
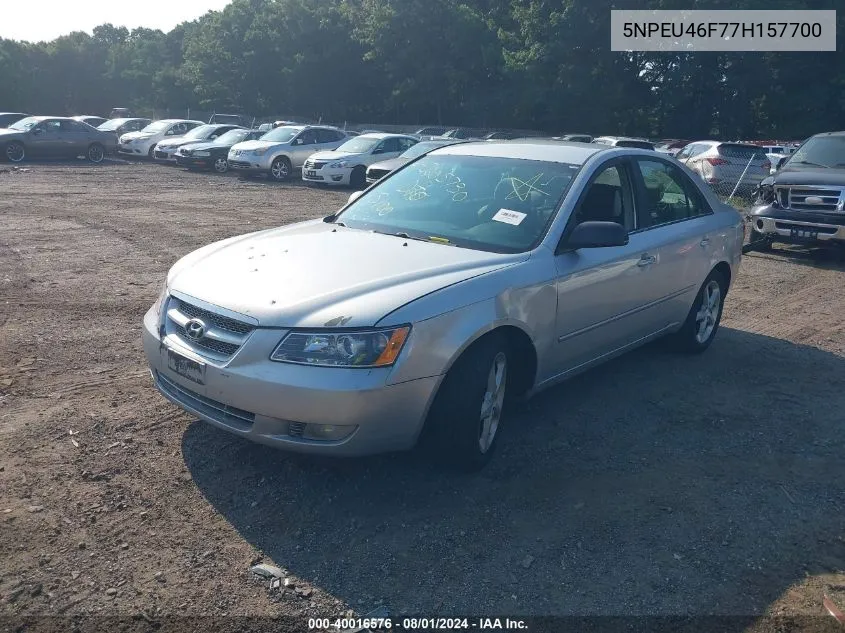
(143, 143)
(347, 165)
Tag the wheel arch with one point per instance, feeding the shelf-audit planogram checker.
(724, 269)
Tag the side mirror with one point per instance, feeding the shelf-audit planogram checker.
(296, 141)
(354, 196)
(781, 161)
(593, 234)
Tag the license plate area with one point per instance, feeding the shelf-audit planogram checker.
(185, 367)
(804, 233)
(310, 173)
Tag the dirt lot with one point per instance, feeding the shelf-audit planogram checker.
(655, 485)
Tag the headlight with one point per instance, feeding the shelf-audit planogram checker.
(202, 153)
(339, 164)
(363, 348)
(259, 152)
(162, 298)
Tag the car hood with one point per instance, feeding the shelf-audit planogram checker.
(176, 142)
(808, 175)
(390, 165)
(333, 155)
(195, 145)
(256, 144)
(137, 135)
(5, 131)
(317, 274)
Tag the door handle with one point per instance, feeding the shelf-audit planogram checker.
(705, 241)
(646, 260)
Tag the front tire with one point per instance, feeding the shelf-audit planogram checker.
(96, 153)
(465, 420)
(151, 153)
(15, 152)
(280, 169)
(221, 165)
(358, 177)
(704, 317)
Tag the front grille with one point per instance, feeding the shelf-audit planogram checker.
(161, 154)
(818, 199)
(223, 413)
(219, 320)
(315, 164)
(376, 174)
(239, 164)
(296, 429)
(223, 336)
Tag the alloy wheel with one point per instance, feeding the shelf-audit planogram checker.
(492, 402)
(708, 313)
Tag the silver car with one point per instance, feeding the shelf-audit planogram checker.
(476, 274)
(283, 150)
(727, 166)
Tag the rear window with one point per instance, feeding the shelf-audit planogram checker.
(745, 152)
(638, 144)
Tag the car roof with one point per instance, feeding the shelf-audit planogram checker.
(838, 133)
(383, 135)
(623, 138)
(526, 149)
(1, 113)
(179, 121)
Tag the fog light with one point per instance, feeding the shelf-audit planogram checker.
(328, 432)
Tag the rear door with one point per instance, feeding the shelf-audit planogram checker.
(673, 219)
(75, 138)
(329, 139)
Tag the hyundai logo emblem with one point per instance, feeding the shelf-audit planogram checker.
(195, 329)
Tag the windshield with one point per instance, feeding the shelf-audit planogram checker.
(157, 126)
(358, 145)
(486, 203)
(200, 132)
(24, 124)
(824, 151)
(232, 137)
(282, 134)
(112, 124)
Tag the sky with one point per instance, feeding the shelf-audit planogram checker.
(37, 20)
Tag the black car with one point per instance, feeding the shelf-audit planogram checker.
(213, 154)
(804, 201)
(8, 118)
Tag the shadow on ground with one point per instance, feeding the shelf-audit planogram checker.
(655, 484)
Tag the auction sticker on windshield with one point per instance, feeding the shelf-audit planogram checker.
(509, 217)
(186, 367)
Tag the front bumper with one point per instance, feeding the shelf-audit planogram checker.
(165, 155)
(786, 225)
(194, 161)
(328, 176)
(269, 402)
(249, 162)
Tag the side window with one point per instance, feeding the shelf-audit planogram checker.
(389, 145)
(684, 153)
(608, 198)
(52, 127)
(406, 143)
(308, 137)
(74, 127)
(699, 148)
(326, 136)
(667, 195)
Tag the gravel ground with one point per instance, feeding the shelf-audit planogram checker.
(655, 485)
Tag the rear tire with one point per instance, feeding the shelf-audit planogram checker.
(465, 420)
(704, 317)
(281, 169)
(358, 178)
(96, 153)
(14, 152)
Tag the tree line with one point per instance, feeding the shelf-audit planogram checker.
(526, 64)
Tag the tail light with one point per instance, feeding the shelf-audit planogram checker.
(717, 161)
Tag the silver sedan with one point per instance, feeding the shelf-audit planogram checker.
(475, 275)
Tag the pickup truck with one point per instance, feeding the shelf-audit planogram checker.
(804, 200)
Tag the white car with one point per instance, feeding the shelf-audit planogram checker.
(143, 143)
(347, 165)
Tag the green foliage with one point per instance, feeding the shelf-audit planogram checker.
(540, 64)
